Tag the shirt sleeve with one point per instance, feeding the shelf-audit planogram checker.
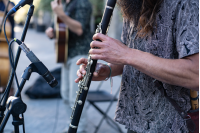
(83, 13)
(187, 28)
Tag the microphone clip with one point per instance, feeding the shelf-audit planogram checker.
(19, 5)
(39, 68)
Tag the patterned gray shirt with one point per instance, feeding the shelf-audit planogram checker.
(79, 10)
(141, 107)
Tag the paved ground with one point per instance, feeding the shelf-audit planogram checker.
(49, 115)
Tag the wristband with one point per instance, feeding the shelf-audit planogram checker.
(111, 80)
(110, 72)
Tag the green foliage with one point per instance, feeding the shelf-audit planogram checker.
(98, 7)
(20, 15)
(44, 5)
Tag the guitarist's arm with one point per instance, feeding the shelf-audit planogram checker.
(72, 24)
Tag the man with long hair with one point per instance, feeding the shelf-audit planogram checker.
(159, 42)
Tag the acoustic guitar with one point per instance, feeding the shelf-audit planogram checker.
(4, 58)
(61, 40)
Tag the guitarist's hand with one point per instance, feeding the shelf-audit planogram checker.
(57, 8)
(49, 32)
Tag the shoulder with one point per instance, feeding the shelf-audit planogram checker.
(187, 10)
(179, 5)
(177, 10)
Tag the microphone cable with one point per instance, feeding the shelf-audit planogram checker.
(11, 62)
(11, 59)
(4, 28)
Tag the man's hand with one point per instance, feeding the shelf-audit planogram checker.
(102, 71)
(49, 32)
(57, 8)
(109, 50)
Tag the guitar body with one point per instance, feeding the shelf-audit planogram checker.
(61, 41)
(4, 58)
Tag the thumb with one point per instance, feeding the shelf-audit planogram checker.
(97, 70)
(100, 68)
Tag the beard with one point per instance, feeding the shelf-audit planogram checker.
(130, 9)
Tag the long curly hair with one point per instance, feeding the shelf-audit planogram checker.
(142, 12)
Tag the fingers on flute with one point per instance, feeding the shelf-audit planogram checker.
(81, 61)
(77, 80)
(79, 74)
(100, 36)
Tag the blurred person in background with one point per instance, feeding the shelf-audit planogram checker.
(76, 15)
(3, 4)
(160, 42)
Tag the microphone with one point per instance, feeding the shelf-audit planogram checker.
(19, 5)
(39, 66)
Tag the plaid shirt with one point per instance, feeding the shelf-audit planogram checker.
(141, 107)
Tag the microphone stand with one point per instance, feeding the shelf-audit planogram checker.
(3, 105)
(15, 105)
